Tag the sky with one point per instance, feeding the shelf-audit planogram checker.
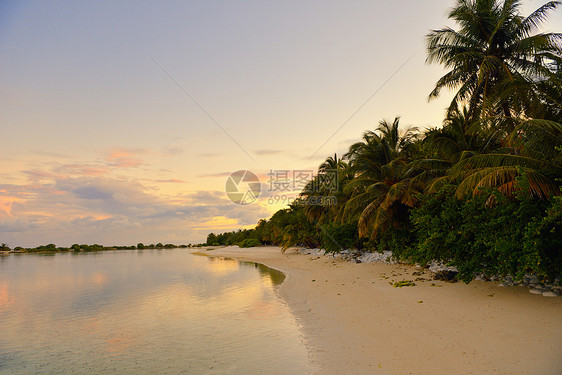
(121, 121)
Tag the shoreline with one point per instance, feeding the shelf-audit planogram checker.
(355, 322)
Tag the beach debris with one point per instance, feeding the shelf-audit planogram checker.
(400, 284)
(550, 294)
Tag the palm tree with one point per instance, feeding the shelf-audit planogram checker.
(380, 192)
(459, 138)
(495, 62)
(398, 141)
(550, 94)
(324, 192)
(529, 164)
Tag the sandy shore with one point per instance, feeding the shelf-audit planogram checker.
(354, 322)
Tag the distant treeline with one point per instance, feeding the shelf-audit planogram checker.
(481, 191)
(242, 238)
(95, 247)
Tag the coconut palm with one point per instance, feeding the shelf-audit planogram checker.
(458, 139)
(530, 163)
(380, 193)
(495, 62)
(398, 141)
(324, 192)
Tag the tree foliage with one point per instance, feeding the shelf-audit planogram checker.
(481, 191)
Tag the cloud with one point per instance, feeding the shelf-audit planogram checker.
(172, 181)
(82, 169)
(107, 210)
(125, 157)
(6, 203)
(122, 159)
(209, 154)
(264, 152)
(92, 192)
(221, 174)
(36, 175)
(87, 202)
(51, 154)
(172, 150)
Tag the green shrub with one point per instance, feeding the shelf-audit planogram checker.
(249, 242)
(399, 241)
(337, 237)
(478, 237)
(543, 239)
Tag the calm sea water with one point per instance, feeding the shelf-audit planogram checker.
(144, 311)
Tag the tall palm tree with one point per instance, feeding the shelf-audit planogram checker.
(324, 192)
(496, 62)
(380, 193)
(398, 141)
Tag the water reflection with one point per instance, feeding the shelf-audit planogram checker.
(220, 265)
(276, 277)
(120, 312)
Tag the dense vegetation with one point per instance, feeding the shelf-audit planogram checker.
(482, 191)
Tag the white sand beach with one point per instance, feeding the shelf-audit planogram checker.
(355, 322)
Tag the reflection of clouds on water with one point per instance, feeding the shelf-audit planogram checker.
(221, 266)
(119, 343)
(99, 278)
(81, 313)
(89, 326)
(5, 299)
(262, 310)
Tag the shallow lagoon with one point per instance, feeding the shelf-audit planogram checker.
(144, 311)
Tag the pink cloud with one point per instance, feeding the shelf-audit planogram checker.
(123, 159)
(173, 180)
(6, 204)
(221, 174)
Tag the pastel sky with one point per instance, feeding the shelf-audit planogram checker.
(121, 120)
